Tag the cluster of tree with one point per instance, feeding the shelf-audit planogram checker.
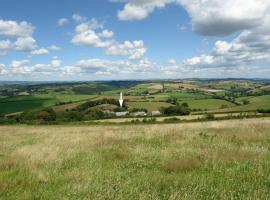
(40, 116)
(263, 111)
(91, 104)
(178, 109)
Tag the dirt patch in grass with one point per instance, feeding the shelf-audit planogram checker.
(184, 165)
(8, 163)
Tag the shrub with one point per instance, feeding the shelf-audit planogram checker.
(210, 116)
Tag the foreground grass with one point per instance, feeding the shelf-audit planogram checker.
(213, 160)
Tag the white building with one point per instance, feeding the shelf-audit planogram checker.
(137, 114)
(121, 114)
(156, 113)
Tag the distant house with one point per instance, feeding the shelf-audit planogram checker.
(121, 114)
(156, 113)
(137, 114)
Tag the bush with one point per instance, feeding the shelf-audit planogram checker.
(176, 110)
(173, 119)
(210, 116)
(263, 110)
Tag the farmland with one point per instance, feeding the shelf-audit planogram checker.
(68, 100)
(212, 160)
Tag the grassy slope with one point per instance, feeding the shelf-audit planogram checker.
(150, 106)
(208, 104)
(73, 97)
(259, 102)
(214, 160)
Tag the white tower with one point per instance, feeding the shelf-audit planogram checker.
(121, 100)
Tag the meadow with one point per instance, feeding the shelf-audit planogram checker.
(211, 160)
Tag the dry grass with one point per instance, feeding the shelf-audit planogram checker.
(182, 165)
(212, 160)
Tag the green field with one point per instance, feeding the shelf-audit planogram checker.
(185, 96)
(209, 104)
(258, 102)
(213, 160)
(23, 103)
(150, 106)
(72, 97)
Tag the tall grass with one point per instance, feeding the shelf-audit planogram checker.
(213, 160)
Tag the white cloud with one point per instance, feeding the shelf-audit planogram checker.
(16, 29)
(138, 9)
(22, 33)
(2, 69)
(42, 51)
(77, 18)
(20, 67)
(250, 48)
(85, 34)
(209, 17)
(54, 47)
(134, 50)
(5, 45)
(55, 62)
(106, 34)
(92, 34)
(213, 17)
(25, 44)
(24, 67)
(62, 21)
(172, 61)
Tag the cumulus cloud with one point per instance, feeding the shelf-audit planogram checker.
(139, 9)
(21, 37)
(210, 18)
(16, 29)
(251, 47)
(134, 50)
(215, 18)
(25, 44)
(24, 67)
(106, 34)
(44, 51)
(5, 45)
(2, 69)
(92, 34)
(41, 51)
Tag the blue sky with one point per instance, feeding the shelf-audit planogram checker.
(133, 39)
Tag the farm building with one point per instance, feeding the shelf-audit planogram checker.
(137, 114)
(121, 114)
(156, 113)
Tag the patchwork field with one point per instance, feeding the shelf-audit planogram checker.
(214, 160)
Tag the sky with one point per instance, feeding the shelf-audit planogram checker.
(82, 40)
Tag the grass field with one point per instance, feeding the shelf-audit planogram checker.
(24, 103)
(72, 97)
(209, 104)
(213, 160)
(258, 102)
(150, 106)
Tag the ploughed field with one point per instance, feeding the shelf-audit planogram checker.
(211, 160)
